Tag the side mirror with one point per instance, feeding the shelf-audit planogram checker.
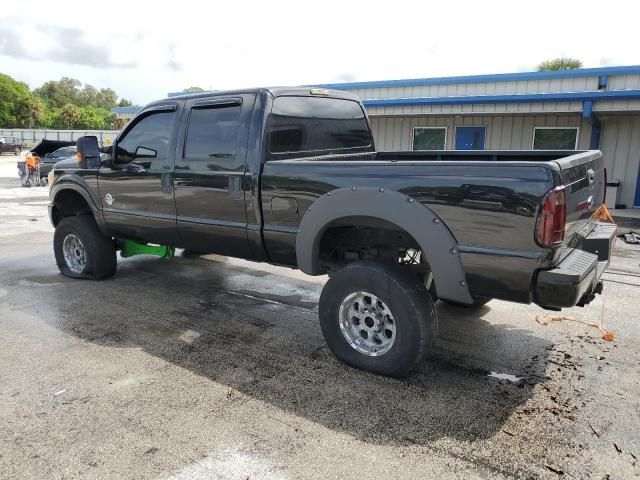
(144, 152)
(88, 151)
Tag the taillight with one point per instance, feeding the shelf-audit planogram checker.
(551, 219)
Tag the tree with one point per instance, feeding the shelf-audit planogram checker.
(193, 90)
(37, 112)
(95, 118)
(88, 96)
(563, 63)
(119, 123)
(60, 93)
(71, 115)
(64, 103)
(106, 98)
(16, 103)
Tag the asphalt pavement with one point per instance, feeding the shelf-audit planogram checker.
(210, 367)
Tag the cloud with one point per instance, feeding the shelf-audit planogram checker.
(54, 43)
(172, 63)
(344, 77)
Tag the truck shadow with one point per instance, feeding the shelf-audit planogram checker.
(259, 335)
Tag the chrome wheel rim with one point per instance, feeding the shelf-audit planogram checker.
(367, 324)
(75, 255)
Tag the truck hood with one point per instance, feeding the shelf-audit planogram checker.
(69, 162)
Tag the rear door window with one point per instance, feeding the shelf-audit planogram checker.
(212, 134)
(312, 124)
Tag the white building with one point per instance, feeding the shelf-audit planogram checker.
(591, 108)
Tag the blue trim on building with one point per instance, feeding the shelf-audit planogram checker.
(512, 98)
(496, 77)
(587, 109)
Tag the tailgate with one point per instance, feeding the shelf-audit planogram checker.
(583, 177)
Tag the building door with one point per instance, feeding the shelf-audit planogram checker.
(470, 138)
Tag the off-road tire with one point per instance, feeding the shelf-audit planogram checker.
(100, 250)
(413, 310)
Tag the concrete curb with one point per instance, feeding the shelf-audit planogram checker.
(627, 223)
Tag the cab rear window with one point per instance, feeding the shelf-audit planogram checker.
(312, 124)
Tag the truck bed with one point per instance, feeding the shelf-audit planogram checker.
(478, 156)
(489, 200)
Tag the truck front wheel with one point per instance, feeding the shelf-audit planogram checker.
(378, 317)
(82, 251)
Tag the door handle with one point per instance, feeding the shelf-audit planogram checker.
(235, 190)
(591, 175)
(166, 183)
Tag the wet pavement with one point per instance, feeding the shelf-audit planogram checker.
(208, 367)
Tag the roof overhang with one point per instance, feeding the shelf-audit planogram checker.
(590, 96)
(601, 72)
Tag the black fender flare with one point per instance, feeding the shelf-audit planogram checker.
(437, 243)
(77, 184)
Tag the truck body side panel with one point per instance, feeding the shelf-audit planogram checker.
(489, 208)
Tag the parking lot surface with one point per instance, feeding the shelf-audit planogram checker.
(209, 367)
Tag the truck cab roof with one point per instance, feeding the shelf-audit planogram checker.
(307, 91)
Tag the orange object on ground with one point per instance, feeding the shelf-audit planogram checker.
(546, 319)
(602, 213)
(32, 161)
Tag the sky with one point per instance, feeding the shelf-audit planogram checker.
(145, 49)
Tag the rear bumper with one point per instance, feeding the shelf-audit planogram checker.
(576, 280)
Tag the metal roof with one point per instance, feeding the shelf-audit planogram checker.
(495, 77)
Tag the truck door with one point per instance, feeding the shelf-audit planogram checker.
(209, 175)
(136, 190)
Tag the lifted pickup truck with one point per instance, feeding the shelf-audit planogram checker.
(290, 176)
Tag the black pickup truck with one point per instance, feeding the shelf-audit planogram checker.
(290, 176)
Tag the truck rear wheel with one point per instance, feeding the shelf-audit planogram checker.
(82, 251)
(378, 317)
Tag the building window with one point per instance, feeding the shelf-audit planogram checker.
(429, 138)
(555, 138)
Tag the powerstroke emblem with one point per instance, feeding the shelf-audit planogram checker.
(108, 199)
